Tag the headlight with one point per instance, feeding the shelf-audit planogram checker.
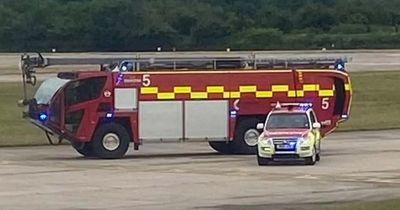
(267, 141)
(305, 140)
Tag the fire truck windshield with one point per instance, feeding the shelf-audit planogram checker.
(286, 120)
(47, 89)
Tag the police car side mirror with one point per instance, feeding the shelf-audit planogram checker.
(316, 125)
(260, 126)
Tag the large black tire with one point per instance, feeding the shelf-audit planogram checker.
(239, 145)
(114, 133)
(84, 149)
(221, 146)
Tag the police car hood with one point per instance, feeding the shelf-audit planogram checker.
(271, 133)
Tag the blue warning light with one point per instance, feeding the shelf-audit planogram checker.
(43, 117)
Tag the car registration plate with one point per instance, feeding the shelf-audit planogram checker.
(284, 146)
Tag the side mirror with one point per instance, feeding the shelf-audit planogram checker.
(316, 125)
(260, 126)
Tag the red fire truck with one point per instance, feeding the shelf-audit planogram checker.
(215, 99)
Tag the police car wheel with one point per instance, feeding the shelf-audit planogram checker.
(263, 161)
(84, 149)
(110, 141)
(246, 136)
(311, 160)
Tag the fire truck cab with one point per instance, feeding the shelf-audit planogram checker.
(290, 131)
(216, 99)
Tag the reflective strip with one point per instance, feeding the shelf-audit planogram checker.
(242, 89)
(298, 93)
(311, 87)
(165, 95)
(199, 95)
(235, 95)
(149, 90)
(264, 94)
(215, 89)
(347, 87)
(248, 89)
(182, 89)
(325, 93)
(280, 88)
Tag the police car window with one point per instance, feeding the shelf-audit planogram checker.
(288, 121)
(84, 90)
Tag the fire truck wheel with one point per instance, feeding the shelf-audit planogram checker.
(110, 141)
(221, 147)
(246, 137)
(84, 149)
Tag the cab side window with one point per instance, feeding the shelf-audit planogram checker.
(84, 90)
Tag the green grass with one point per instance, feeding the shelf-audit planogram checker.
(376, 205)
(376, 101)
(13, 129)
(376, 105)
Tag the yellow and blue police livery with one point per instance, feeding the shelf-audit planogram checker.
(291, 131)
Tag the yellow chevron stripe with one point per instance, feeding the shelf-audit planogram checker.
(235, 95)
(183, 89)
(215, 89)
(311, 87)
(199, 95)
(326, 93)
(280, 88)
(264, 94)
(149, 90)
(165, 95)
(242, 89)
(248, 89)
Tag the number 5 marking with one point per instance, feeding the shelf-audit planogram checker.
(325, 103)
(146, 80)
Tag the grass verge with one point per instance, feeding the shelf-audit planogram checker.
(376, 105)
(376, 101)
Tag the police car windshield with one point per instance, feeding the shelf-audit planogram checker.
(286, 120)
(47, 89)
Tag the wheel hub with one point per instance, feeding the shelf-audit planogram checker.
(251, 137)
(111, 141)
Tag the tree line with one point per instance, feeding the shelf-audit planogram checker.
(138, 25)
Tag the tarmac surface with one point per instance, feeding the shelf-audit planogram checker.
(354, 166)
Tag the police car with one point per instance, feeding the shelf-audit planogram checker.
(291, 131)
